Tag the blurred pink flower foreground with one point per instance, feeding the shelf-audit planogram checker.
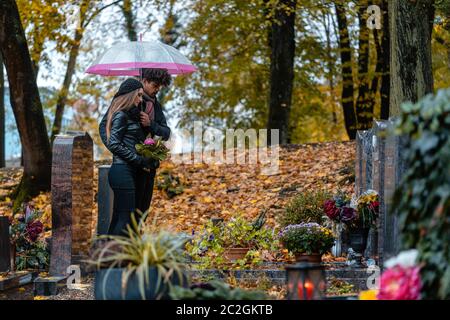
(149, 141)
(400, 283)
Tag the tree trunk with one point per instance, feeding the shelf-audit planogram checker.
(85, 7)
(282, 68)
(2, 114)
(347, 72)
(364, 114)
(410, 26)
(386, 62)
(330, 62)
(378, 73)
(26, 105)
(127, 10)
(64, 91)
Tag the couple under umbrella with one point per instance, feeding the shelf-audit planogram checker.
(134, 114)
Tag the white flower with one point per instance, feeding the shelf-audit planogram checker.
(370, 191)
(354, 202)
(406, 259)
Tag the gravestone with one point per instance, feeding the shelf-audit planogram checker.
(394, 168)
(365, 143)
(5, 251)
(72, 200)
(378, 165)
(364, 148)
(105, 200)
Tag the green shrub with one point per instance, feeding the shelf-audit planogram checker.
(207, 246)
(305, 207)
(422, 200)
(169, 183)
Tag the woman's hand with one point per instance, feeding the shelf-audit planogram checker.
(150, 164)
(145, 119)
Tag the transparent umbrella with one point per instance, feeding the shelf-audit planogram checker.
(129, 58)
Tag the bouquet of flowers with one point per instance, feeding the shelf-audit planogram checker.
(31, 251)
(340, 209)
(153, 149)
(368, 208)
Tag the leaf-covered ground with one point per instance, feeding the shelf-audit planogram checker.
(224, 190)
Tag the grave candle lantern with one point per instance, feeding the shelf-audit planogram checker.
(305, 281)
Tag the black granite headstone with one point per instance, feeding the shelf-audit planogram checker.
(105, 200)
(5, 253)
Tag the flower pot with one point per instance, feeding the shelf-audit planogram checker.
(336, 250)
(235, 253)
(314, 257)
(108, 285)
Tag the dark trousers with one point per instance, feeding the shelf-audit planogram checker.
(132, 189)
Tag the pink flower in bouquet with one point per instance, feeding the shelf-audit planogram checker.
(34, 229)
(149, 141)
(400, 283)
(330, 209)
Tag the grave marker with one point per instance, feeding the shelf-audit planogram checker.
(5, 249)
(105, 200)
(72, 200)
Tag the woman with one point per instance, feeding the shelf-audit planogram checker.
(123, 132)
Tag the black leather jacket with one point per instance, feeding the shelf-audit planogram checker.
(126, 132)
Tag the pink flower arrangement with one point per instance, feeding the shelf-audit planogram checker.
(149, 142)
(400, 283)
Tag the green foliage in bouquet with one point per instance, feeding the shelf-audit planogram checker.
(215, 290)
(153, 149)
(422, 200)
(170, 184)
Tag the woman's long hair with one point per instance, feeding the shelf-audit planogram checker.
(123, 102)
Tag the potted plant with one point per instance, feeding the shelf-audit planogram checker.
(144, 264)
(236, 241)
(307, 241)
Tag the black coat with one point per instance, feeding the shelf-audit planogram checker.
(126, 132)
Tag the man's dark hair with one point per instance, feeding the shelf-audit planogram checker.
(159, 76)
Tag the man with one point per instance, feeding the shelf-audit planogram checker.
(153, 122)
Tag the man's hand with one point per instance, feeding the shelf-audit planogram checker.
(145, 119)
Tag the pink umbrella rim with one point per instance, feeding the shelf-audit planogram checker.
(111, 68)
